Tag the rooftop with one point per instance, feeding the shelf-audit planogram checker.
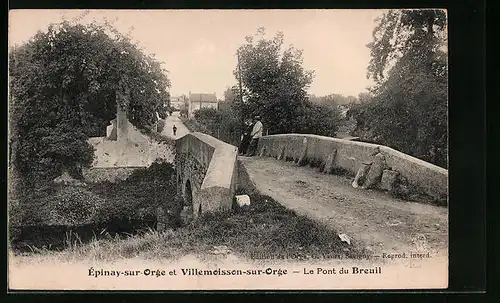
(202, 97)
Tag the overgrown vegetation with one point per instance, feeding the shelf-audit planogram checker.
(65, 85)
(47, 211)
(408, 106)
(263, 230)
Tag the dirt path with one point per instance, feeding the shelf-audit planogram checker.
(169, 124)
(371, 218)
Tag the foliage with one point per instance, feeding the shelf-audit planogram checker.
(71, 78)
(318, 119)
(161, 125)
(263, 230)
(224, 123)
(140, 194)
(275, 86)
(136, 198)
(183, 112)
(408, 109)
(207, 116)
(46, 151)
(333, 99)
(52, 204)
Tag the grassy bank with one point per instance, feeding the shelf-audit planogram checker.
(264, 230)
(53, 215)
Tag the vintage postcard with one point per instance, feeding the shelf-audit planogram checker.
(228, 149)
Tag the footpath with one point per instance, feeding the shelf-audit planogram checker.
(169, 124)
(373, 219)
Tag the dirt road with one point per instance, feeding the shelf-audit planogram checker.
(371, 218)
(169, 124)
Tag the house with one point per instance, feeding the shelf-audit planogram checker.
(202, 100)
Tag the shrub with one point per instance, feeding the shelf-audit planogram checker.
(161, 125)
(74, 206)
(139, 196)
(60, 205)
(46, 152)
(136, 198)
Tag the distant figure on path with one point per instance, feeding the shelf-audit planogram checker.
(245, 138)
(255, 135)
(174, 129)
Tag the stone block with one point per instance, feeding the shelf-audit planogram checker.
(242, 200)
(374, 175)
(330, 162)
(361, 175)
(161, 219)
(303, 154)
(389, 178)
(262, 152)
(281, 154)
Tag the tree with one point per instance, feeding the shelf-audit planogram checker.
(275, 83)
(65, 85)
(364, 97)
(408, 109)
(333, 99)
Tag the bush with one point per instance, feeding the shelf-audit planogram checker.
(60, 205)
(318, 119)
(136, 198)
(46, 152)
(74, 206)
(161, 125)
(224, 124)
(139, 196)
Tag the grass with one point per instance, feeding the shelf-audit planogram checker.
(263, 230)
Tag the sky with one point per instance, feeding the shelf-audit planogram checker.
(198, 47)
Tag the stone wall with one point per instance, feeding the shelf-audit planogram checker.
(350, 155)
(210, 167)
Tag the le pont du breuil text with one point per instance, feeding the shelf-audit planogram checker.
(333, 271)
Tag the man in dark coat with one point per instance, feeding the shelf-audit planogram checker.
(245, 138)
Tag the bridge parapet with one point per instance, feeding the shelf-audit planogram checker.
(206, 172)
(350, 155)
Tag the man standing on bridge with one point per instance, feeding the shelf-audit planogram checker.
(255, 135)
(174, 129)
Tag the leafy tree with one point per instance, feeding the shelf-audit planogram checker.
(275, 85)
(232, 95)
(364, 97)
(65, 85)
(408, 109)
(208, 117)
(333, 99)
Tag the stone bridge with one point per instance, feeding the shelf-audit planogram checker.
(312, 175)
(209, 172)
